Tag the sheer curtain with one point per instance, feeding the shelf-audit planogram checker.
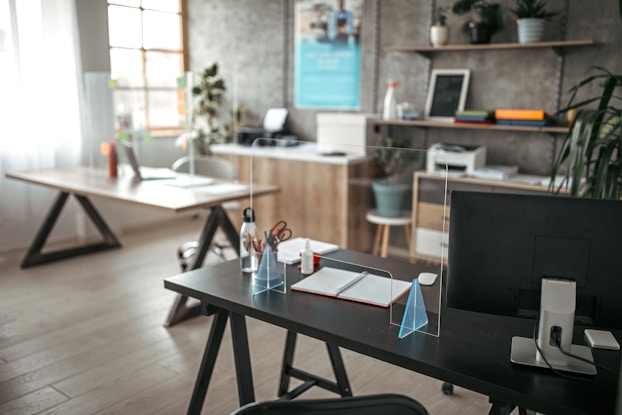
(40, 120)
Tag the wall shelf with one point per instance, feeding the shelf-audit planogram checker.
(491, 127)
(427, 51)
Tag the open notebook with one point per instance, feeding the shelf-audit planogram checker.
(354, 286)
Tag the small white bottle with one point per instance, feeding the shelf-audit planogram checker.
(389, 110)
(248, 242)
(306, 261)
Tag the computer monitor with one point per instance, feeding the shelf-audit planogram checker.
(501, 246)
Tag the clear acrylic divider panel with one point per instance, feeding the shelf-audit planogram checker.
(98, 116)
(338, 207)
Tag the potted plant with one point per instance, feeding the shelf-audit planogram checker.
(531, 15)
(395, 159)
(488, 21)
(439, 32)
(209, 95)
(591, 152)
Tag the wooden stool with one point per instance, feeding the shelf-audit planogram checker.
(384, 224)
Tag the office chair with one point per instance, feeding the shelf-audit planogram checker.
(358, 405)
(210, 167)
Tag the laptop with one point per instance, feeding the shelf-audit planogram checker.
(145, 173)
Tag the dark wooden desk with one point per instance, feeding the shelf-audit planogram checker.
(84, 182)
(473, 350)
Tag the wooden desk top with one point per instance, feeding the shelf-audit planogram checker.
(89, 181)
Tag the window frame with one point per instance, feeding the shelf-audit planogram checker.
(145, 89)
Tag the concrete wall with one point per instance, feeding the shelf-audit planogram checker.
(252, 41)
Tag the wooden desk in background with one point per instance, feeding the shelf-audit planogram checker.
(322, 197)
(84, 182)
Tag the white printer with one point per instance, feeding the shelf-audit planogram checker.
(460, 159)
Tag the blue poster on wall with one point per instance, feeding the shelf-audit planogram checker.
(328, 54)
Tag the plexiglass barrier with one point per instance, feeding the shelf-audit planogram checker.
(344, 203)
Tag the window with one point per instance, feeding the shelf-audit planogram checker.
(146, 58)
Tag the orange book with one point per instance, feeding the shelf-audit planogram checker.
(517, 114)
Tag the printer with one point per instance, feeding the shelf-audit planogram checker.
(460, 159)
(273, 126)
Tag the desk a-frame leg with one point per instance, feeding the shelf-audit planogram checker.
(241, 354)
(35, 256)
(340, 387)
(217, 217)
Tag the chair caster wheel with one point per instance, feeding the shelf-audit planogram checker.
(448, 388)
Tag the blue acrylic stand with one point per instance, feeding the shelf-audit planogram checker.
(415, 315)
(268, 276)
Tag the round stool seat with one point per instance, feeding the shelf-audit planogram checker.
(402, 220)
(384, 225)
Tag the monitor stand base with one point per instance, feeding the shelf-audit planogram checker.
(524, 353)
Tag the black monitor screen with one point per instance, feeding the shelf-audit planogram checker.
(502, 245)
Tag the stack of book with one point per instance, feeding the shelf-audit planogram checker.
(534, 118)
(474, 117)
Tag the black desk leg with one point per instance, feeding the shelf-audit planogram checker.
(502, 408)
(288, 361)
(339, 369)
(218, 217)
(35, 256)
(288, 371)
(243, 370)
(207, 364)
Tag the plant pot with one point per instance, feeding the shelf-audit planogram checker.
(390, 197)
(530, 30)
(480, 33)
(439, 35)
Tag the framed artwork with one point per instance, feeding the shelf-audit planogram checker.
(447, 93)
(327, 62)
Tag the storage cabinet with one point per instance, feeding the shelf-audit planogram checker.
(431, 215)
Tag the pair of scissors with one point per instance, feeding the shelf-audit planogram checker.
(279, 232)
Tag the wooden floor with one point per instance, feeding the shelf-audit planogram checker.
(85, 336)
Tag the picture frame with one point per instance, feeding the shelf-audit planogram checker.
(447, 93)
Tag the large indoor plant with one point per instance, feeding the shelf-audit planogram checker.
(531, 16)
(485, 21)
(209, 94)
(590, 160)
(396, 160)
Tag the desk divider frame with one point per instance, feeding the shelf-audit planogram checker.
(342, 386)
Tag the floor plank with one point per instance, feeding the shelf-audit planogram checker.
(85, 336)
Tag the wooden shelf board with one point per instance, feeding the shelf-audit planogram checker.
(492, 127)
(490, 46)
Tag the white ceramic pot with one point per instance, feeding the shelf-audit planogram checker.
(439, 35)
(530, 30)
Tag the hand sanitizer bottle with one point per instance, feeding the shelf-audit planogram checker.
(306, 262)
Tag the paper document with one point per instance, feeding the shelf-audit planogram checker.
(354, 286)
(189, 181)
(289, 251)
(223, 188)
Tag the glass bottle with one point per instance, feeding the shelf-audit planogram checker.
(248, 242)
(389, 110)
